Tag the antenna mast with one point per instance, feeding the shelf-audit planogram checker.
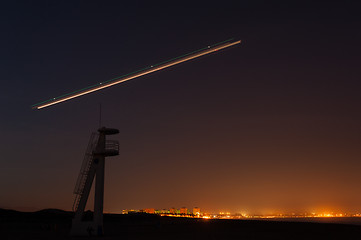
(100, 115)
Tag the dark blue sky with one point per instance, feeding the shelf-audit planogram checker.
(271, 124)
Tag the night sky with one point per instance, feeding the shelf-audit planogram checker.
(273, 124)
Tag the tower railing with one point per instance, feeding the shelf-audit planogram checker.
(112, 147)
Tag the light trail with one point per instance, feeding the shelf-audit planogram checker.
(139, 73)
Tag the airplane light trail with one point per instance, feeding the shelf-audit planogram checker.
(139, 73)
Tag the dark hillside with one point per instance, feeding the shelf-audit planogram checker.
(55, 224)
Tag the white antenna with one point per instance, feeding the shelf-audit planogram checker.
(100, 115)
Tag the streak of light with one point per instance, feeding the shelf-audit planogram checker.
(139, 73)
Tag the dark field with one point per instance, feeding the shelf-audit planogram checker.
(55, 224)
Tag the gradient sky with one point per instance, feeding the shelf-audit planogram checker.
(273, 124)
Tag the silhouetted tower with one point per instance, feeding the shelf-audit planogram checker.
(93, 167)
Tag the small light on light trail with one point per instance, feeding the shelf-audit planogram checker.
(139, 73)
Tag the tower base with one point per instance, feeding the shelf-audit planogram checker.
(85, 228)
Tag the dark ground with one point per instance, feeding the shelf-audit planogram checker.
(55, 224)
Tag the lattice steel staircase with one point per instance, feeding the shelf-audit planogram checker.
(84, 170)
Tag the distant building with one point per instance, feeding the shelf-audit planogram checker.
(196, 211)
(183, 210)
(129, 211)
(149, 210)
(173, 211)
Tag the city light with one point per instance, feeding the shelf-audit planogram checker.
(197, 213)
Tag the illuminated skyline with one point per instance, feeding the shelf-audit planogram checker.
(271, 125)
(196, 212)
